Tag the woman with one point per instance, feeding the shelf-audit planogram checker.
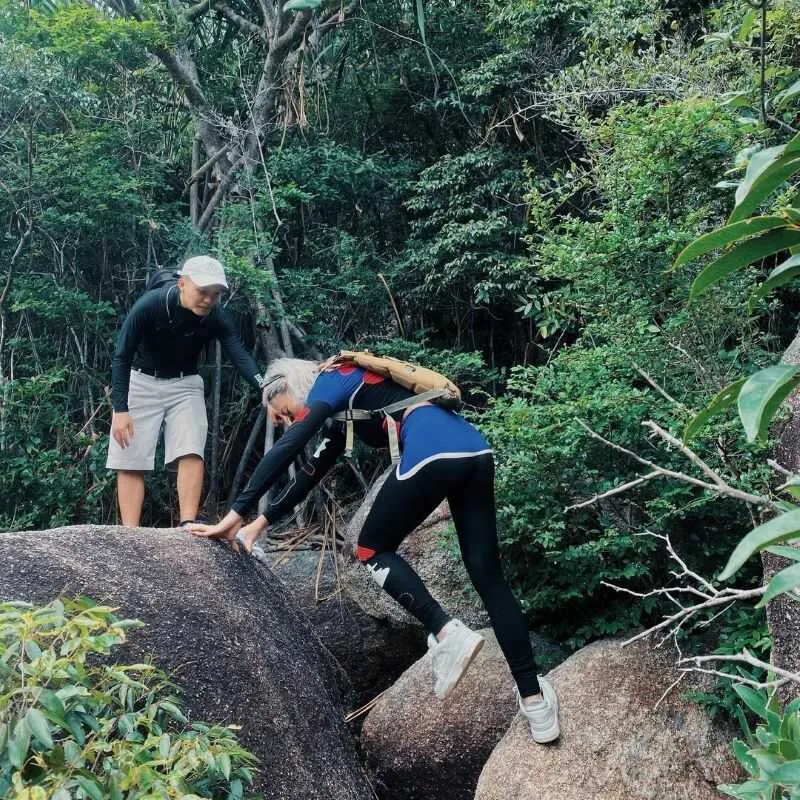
(443, 456)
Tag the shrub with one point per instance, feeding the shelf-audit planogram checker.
(73, 725)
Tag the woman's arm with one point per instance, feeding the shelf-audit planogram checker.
(278, 459)
(330, 447)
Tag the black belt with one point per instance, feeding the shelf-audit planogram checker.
(165, 373)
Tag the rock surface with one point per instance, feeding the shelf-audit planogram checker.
(783, 615)
(418, 747)
(372, 652)
(437, 562)
(614, 745)
(223, 627)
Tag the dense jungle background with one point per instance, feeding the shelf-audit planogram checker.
(494, 189)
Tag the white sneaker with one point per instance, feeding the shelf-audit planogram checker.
(452, 655)
(542, 716)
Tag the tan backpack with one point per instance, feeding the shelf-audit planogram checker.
(427, 385)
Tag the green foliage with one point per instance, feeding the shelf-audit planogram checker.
(74, 724)
(742, 628)
(52, 466)
(770, 754)
(545, 463)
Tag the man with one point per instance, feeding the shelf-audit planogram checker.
(154, 379)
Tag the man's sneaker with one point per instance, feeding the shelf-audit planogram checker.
(542, 716)
(452, 655)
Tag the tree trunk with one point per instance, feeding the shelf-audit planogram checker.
(213, 491)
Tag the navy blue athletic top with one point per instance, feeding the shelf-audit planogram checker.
(427, 433)
(162, 337)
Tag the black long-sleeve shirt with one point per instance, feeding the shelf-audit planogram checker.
(290, 446)
(160, 335)
(371, 396)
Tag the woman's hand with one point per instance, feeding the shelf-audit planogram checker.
(226, 528)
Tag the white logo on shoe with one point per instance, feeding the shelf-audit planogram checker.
(322, 445)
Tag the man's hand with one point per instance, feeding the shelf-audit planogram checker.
(122, 428)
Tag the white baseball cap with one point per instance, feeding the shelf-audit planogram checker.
(204, 271)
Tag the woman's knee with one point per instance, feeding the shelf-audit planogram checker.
(364, 554)
(378, 564)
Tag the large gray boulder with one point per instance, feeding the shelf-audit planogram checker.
(418, 747)
(619, 739)
(223, 627)
(373, 652)
(432, 550)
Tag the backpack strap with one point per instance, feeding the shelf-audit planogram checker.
(352, 415)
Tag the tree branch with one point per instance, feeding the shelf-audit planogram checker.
(719, 486)
(243, 24)
(745, 658)
(181, 75)
(200, 171)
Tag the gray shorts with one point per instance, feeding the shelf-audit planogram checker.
(177, 402)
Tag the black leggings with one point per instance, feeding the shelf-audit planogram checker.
(401, 505)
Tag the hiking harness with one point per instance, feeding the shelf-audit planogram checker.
(352, 415)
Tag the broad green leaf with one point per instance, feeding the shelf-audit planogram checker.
(792, 708)
(782, 274)
(787, 774)
(767, 760)
(741, 751)
(51, 702)
(793, 145)
(780, 529)
(164, 745)
(173, 711)
(787, 94)
(760, 161)
(784, 581)
(753, 699)
(90, 785)
(749, 790)
(764, 183)
(792, 487)
(302, 5)
(73, 753)
(224, 763)
(792, 553)
(236, 791)
(792, 90)
(788, 749)
(762, 394)
(722, 400)
(3, 736)
(774, 722)
(742, 254)
(39, 727)
(727, 235)
(32, 650)
(74, 726)
(19, 743)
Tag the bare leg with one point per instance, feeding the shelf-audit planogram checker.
(190, 485)
(130, 495)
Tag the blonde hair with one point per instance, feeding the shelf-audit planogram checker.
(293, 375)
